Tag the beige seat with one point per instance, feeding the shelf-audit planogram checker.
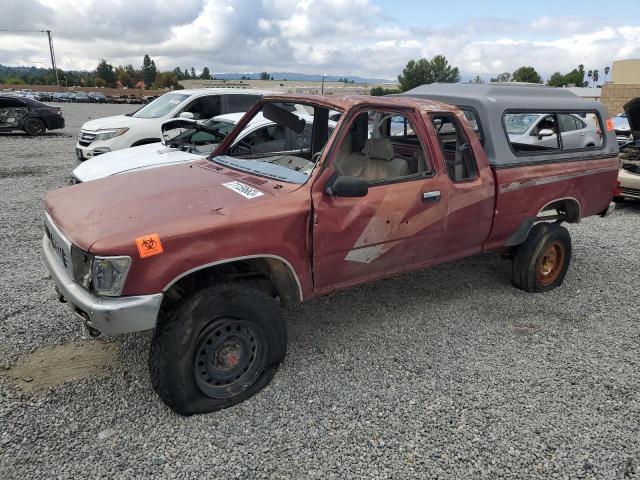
(380, 165)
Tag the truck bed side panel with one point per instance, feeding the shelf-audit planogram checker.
(522, 192)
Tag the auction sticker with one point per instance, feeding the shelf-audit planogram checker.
(243, 189)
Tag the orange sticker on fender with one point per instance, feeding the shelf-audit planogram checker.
(610, 125)
(149, 245)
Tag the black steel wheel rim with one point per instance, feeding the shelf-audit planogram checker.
(229, 357)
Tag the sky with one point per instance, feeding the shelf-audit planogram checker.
(368, 38)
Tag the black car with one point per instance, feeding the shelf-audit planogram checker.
(31, 116)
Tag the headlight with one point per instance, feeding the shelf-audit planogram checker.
(112, 132)
(108, 274)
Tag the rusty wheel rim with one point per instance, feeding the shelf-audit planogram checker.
(550, 263)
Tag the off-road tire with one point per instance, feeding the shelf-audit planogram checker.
(35, 126)
(177, 347)
(528, 271)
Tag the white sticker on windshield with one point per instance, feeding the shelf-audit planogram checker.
(243, 189)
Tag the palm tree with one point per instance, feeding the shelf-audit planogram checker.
(606, 73)
(589, 75)
(596, 76)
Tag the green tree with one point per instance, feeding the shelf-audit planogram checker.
(426, 71)
(595, 76)
(165, 80)
(380, 91)
(186, 74)
(556, 80)
(477, 80)
(264, 76)
(105, 72)
(193, 73)
(526, 75)
(575, 77)
(14, 81)
(502, 77)
(205, 75)
(606, 73)
(149, 70)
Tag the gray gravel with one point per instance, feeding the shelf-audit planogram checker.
(444, 373)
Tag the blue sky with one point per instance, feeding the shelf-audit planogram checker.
(418, 13)
(368, 38)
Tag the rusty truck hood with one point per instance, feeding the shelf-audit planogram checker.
(143, 202)
(632, 109)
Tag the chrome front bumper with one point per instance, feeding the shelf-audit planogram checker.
(106, 314)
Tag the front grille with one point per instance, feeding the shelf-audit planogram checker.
(60, 245)
(630, 191)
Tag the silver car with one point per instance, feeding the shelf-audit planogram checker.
(538, 131)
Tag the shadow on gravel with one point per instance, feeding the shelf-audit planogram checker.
(628, 205)
(46, 136)
(22, 172)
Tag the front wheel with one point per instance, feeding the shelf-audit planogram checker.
(216, 348)
(541, 262)
(34, 126)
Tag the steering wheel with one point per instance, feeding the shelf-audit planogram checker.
(242, 147)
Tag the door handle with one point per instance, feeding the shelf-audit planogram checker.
(431, 196)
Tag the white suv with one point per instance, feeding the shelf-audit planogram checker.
(143, 126)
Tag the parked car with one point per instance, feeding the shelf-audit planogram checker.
(30, 116)
(184, 140)
(623, 130)
(97, 97)
(629, 175)
(44, 96)
(81, 97)
(143, 126)
(200, 251)
(61, 97)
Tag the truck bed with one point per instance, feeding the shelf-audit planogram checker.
(525, 191)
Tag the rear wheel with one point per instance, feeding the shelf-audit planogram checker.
(216, 348)
(541, 262)
(34, 126)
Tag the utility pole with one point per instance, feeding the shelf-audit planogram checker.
(53, 57)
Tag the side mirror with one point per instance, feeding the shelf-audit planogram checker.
(346, 186)
(188, 115)
(545, 132)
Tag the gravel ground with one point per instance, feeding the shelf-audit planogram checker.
(444, 373)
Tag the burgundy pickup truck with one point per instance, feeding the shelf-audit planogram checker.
(201, 251)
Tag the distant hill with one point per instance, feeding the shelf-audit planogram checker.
(298, 76)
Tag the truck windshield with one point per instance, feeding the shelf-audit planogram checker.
(519, 123)
(161, 106)
(286, 147)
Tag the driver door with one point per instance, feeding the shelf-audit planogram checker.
(398, 225)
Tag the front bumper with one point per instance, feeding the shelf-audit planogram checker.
(85, 152)
(106, 314)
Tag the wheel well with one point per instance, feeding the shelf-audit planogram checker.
(568, 210)
(145, 141)
(273, 276)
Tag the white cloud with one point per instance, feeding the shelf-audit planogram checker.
(352, 37)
